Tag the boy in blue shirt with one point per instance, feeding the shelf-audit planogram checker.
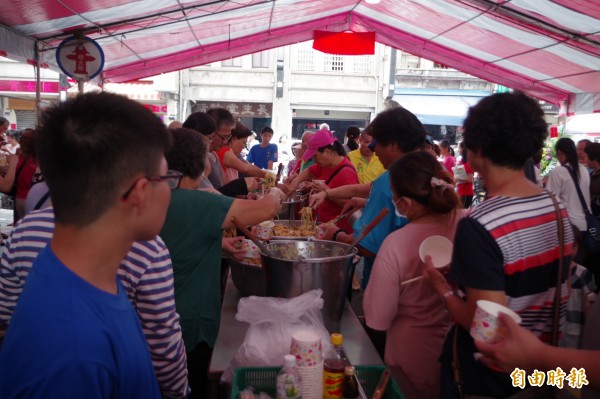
(264, 154)
(74, 333)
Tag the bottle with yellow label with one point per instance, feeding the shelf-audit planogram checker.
(333, 369)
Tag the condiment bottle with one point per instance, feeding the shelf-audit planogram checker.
(289, 380)
(350, 385)
(333, 369)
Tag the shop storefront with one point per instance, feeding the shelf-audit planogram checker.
(338, 120)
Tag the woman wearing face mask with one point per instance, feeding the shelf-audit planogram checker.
(414, 317)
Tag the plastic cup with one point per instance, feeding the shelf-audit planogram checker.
(306, 348)
(439, 248)
(486, 326)
(264, 230)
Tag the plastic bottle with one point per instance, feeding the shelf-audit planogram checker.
(350, 385)
(333, 369)
(289, 380)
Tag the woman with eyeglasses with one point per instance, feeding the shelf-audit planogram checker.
(414, 317)
(193, 235)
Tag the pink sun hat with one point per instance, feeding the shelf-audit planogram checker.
(320, 139)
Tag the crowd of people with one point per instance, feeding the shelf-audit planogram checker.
(115, 289)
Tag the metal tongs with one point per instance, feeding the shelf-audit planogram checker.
(341, 216)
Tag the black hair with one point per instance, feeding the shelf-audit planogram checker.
(266, 129)
(241, 131)
(27, 143)
(3, 121)
(567, 147)
(585, 141)
(336, 147)
(446, 144)
(353, 133)
(201, 122)
(592, 151)
(221, 116)
(398, 126)
(187, 153)
(411, 175)
(93, 145)
(506, 128)
(462, 149)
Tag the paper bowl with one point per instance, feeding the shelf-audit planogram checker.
(251, 250)
(264, 230)
(485, 326)
(439, 248)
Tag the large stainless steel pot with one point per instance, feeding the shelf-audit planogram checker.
(296, 267)
(249, 279)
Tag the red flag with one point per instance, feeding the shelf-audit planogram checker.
(344, 43)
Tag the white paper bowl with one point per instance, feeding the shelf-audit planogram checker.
(439, 248)
(485, 326)
(251, 249)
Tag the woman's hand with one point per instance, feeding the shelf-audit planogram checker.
(354, 204)
(229, 246)
(287, 189)
(317, 199)
(518, 349)
(434, 278)
(330, 231)
(290, 178)
(318, 186)
(251, 183)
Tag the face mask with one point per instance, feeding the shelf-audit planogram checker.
(400, 215)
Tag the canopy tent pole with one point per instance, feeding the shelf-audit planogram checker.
(38, 96)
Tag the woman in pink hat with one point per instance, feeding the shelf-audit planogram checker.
(333, 167)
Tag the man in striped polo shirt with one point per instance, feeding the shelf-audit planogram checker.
(507, 249)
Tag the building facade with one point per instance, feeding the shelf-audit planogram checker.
(292, 89)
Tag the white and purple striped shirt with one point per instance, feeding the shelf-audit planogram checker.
(146, 274)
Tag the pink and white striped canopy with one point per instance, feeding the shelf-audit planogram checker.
(548, 48)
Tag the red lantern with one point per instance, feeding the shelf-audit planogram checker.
(344, 43)
(553, 131)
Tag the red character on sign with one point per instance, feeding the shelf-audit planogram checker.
(81, 58)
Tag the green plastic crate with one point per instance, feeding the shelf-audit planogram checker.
(263, 379)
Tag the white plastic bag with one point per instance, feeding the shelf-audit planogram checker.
(273, 321)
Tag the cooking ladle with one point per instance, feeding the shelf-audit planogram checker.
(250, 236)
(382, 214)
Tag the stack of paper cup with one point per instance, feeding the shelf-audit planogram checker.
(306, 347)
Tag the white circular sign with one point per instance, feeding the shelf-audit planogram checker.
(80, 58)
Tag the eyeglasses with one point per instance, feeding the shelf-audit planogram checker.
(224, 138)
(173, 179)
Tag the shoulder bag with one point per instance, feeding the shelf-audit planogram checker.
(591, 239)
